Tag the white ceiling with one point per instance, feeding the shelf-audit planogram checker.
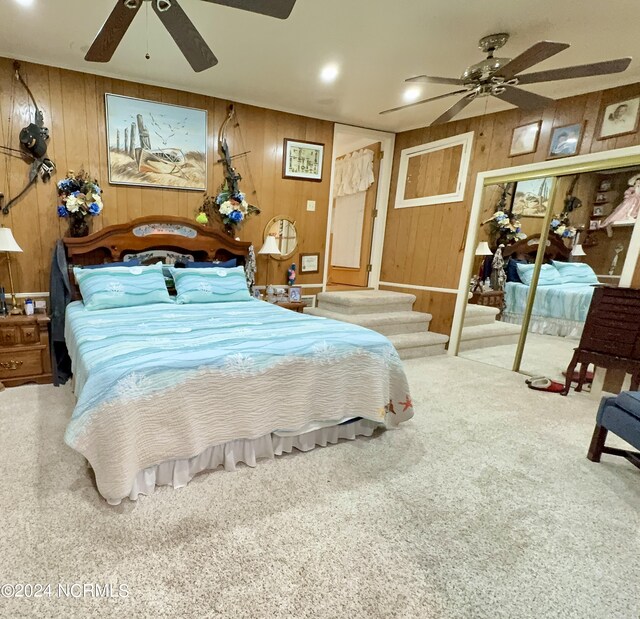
(376, 43)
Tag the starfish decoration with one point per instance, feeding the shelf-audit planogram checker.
(389, 407)
(407, 404)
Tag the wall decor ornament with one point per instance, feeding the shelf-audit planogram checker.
(302, 160)
(566, 140)
(524, 139)
(619, 118)
(80, 200)
(155, 144)
(309, 263)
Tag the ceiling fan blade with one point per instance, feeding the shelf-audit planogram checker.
(535, 54)
(112, 32)
(452, 111)
(273, 8)
(186, 36)
(583, 70)
(402, 107)
(524, 99)
(435, 80)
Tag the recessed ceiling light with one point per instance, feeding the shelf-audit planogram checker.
(329, 73)
(411, 94)
(25, 2)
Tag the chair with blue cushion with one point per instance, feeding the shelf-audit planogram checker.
(620, 415)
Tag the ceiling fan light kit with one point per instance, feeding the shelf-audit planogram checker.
(179, 26)
(499, 77)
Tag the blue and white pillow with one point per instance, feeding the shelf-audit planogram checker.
(120, 286)
(575, 272)
(216, 285)
(549, 275)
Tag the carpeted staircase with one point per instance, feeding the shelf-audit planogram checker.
(389, 313)
(481, 329)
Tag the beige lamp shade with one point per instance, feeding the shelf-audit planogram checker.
(270, 247)
(483, 249)
(577, 251)
(7, 242)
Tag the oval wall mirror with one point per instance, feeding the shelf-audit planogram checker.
(285, 233)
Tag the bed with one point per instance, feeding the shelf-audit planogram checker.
(558, 309)
(165, 391)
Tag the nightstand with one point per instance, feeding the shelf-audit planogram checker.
(296, 306)
(490, 298)
(24, 350)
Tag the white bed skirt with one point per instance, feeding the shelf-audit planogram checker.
(178, 473)
(547, 326)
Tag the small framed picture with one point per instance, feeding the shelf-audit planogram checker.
(601, 198)
(302, 160)
(565, 140)
(309, 263)
(257, 293)
(524, 139)
(620, 118)
(295, 294)
(594, 224)
(309, 300)
(605, 185)
(598, 211)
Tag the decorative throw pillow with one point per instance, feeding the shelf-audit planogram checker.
(229, 264)
(512, 270)
(111, 287)
(549, 275)
(575, 272)
(215, 285)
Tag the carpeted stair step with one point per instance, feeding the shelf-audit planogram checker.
(412, 345)
(387, 323)
(494, 334)
(366, 302)
(479, 315)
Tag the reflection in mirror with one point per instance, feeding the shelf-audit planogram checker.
(284, 230)
(594, 216)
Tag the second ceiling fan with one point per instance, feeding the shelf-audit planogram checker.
(180, 27)
(498, 77)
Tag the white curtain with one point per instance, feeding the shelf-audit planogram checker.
(353, 176)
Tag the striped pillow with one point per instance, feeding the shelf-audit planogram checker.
(214, 285)
(111, 287)
(576, 273)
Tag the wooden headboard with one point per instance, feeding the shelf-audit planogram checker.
(165, 233)
(555, 248)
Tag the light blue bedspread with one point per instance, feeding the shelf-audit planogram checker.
(565, 301)
(167, 381)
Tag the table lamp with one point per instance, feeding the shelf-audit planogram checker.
(270, 248)
(8, 245)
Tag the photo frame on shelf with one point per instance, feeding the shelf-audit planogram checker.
(566, 140)
(295, 294)
(594, 224)
(310, 263)
(302, 160)
(309, 300)
(598, 211)
(605, 185)
(601, 198)
(620, 118)
(524, 139)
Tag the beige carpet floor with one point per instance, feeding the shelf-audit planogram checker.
(483, 506)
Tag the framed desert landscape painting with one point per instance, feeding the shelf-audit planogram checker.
(155, 144)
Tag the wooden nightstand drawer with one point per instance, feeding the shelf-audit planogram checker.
(9, 336)
(18, 363)
(30, 335)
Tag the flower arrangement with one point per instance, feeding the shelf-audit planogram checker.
(231, 209)
(560, 226)
(80, 197)
(506, 228)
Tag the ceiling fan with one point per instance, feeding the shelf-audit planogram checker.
(498, 77)
(180, 27)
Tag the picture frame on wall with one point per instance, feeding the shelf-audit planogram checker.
(152, 144)
(524, 139)
(566, 140)
(620, 118)
(531, 197)
(302, 160)
(309, 300)
(310, 263)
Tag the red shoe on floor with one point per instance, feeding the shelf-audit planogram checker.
(545, 384)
